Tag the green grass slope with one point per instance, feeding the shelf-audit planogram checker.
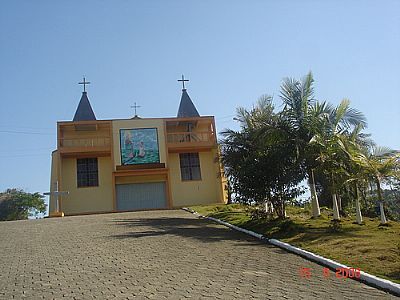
(372, 248)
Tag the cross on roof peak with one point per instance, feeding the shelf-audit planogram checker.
(84, 82)
(135, 107)
(183, 81)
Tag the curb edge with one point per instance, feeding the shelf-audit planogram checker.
(369, 279)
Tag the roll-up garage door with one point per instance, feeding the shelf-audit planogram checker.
(137, 196)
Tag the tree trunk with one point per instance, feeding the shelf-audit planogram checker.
(381, 208)
(358, 208)
(336, 215)
(269, 208)
(364, 196)
(280, 207)
(314, 197)
(229, 197)
(284, 209)
(228, 189)
(339, 201)
(371, 189)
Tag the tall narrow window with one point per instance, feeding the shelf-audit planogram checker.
(190, 166)
(87, 172)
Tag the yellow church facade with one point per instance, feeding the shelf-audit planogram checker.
(133, 164)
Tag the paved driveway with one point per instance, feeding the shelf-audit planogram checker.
(156, 254)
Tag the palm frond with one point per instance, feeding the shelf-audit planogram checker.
(344, 117)
(307, 89)
(382, 151)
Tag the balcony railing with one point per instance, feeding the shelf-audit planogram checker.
(89, 142)
(190, 138)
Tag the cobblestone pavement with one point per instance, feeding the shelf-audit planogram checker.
(154, 255)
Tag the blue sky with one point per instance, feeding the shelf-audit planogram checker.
(231, 51)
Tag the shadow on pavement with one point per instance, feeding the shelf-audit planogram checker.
(200, 229)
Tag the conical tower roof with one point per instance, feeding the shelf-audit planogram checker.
(84, 112)
(186, 107)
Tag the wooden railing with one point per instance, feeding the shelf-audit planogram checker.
(88, 142)
(190, 137)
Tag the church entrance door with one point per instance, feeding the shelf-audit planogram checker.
(141, 196)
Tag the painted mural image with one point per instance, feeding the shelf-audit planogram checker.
(139, 146)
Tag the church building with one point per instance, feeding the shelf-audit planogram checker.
(133, 164)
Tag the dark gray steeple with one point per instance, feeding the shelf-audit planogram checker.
(186, 107)
(84, 112)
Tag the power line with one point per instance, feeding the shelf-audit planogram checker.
(225, 121)
(25, 155)
(5, 125)
(225, 117)
(26, 132)
(27, 149)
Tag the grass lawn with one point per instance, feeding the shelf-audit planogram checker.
(372, 248)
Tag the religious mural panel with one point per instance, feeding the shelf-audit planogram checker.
(139, 146)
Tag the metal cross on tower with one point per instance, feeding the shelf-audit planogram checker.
(84, 82)
(135, 107)
(183, 81)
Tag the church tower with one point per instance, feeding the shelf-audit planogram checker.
(84, 112)
(186, 107)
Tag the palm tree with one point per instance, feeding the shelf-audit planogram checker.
(341, 123)
(308, 118)
(304, 116)
(352, 145)
(380, 163)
